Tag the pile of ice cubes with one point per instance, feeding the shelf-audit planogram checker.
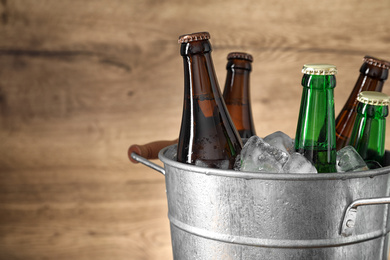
(275, 153)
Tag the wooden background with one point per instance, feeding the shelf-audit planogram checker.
(80, 81)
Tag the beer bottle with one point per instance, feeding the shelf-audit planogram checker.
(315, 135)
(373, 74)
(237, 94)
(368, 134)
(208, 136)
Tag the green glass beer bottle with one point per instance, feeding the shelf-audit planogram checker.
(208, 137)
(368, 134)
(316, 135)
(237, 93)
(373, 75)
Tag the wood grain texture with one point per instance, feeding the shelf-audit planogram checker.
(80, 81)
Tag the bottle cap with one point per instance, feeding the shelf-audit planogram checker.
(377, 62)
(319, 69)
(240, 55)
(373, 98)
(199, 36)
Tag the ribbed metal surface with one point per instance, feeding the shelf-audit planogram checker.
(217, 214)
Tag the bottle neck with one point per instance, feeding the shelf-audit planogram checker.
(194, 48)
(374, 72)
(369, 131)
(235, 64)
(200, 77)
(375, 112)
(237, 96)
(371, 78)
(236, 91)
(319, 82)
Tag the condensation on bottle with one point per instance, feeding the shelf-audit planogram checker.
(373, 74)
(237, 92)
(315, 134)
(208, 137)
(369, 130)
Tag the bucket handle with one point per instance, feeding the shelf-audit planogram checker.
(148, 163)
(351, 212)
(143, 153)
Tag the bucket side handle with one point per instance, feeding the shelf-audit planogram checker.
(148, 163)
(351, 212)
(150, 150)
(143, 153)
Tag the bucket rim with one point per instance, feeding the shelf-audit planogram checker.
(269, 176)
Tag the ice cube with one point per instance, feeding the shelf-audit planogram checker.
(281, 141)
(297, 163)
(259, 156)
(349, 160)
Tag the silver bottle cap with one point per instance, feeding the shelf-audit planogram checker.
(373, 98)
(319, 69)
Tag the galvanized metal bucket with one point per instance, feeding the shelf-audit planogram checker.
(225, 214)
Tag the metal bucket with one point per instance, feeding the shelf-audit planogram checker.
(225, 214)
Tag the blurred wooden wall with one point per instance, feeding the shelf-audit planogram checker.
(80, 81)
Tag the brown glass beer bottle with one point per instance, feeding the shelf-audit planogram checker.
(208, 136)
(373, 74)
(237, 94)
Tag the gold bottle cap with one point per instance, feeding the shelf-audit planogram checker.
(319, 69)
(199, 36)
(240, 55)
(377, 62)
(373, 98)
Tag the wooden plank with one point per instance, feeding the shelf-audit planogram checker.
(93, 216)
(85, 232)
(80, 81)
